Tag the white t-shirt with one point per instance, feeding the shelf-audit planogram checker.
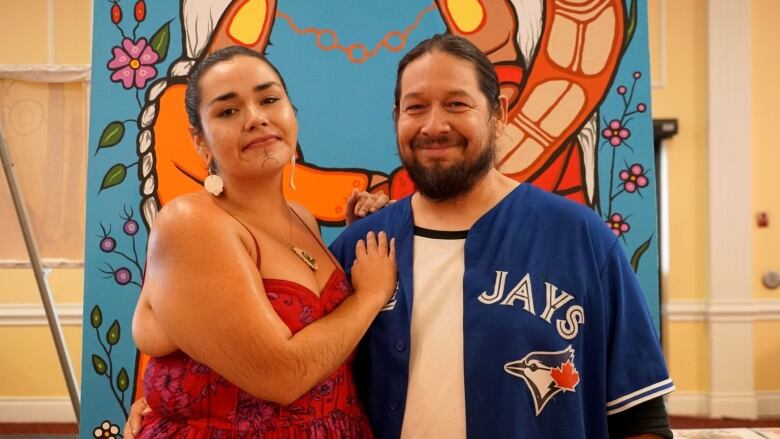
(436, 401)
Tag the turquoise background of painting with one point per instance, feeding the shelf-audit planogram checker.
(345, 121)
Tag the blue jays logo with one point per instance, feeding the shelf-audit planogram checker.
(546, 374)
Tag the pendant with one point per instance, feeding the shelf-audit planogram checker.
(305, 257)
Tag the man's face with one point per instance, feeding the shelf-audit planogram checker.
(445, 130)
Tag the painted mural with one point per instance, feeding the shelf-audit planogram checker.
(575, 73)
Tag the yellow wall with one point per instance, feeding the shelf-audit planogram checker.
(765, 96)
(25, 32)
(684, 96)
(28, 363)
(679, 69)
(29, 366)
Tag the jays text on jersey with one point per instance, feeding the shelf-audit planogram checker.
(556, 332)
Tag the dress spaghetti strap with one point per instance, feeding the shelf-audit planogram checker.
(257, 246)
(317, 238)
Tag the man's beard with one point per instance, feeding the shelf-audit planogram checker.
(439, 182)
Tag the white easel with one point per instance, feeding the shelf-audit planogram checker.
(43, 286)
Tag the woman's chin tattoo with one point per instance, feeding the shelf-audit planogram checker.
(268, 157)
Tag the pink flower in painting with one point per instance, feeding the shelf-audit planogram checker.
(618, 224)
(133, 63)
(616, 133)
(634, 178)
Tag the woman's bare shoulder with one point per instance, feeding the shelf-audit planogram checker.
(197, 208)
(190, 215)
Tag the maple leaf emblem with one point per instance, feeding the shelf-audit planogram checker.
(565, 376)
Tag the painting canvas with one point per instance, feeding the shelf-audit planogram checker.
(575, 72)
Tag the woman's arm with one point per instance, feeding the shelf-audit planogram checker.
(207, 296)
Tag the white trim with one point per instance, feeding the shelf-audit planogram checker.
(741, 405)
(682, 403)
(731, 313)
(46, 262)
(768, 404)
(32, 314)
(46, 409)
(46, 72)
(752, 310)
(640, 391)
(638, 401)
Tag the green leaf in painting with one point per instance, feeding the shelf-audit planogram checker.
(630, 25)
(112, 336)
(638, 254)
(114, 176)
(99, 364)
(96, 317)
(122, 380)
(161, 40)
(112, 134)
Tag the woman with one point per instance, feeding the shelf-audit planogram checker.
(249, 319)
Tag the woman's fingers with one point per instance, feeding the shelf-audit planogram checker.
(382, 244)
(138, 410)
(375, 244)
(371, 244)
(360, 249)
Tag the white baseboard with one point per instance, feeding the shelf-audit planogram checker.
(768, 404)
(680, 403)
(36, 410)
(740, 405)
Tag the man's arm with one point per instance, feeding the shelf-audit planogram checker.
(646, 420)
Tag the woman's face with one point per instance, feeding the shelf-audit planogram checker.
(249, 125)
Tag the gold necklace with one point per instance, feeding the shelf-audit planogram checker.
(301, 253)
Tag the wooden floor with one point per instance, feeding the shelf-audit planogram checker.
(768, 428)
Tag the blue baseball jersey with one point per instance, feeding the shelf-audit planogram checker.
(556, 332)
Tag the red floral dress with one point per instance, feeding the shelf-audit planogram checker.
(189, 400)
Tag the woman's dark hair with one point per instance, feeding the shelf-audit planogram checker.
(192, 95)
(458, 47)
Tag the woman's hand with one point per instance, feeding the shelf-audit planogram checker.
(138, 410)
(374, 273)
(362, 203)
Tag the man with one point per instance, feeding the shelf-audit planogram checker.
(516, 312)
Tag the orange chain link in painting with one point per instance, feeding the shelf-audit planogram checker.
(364, 53)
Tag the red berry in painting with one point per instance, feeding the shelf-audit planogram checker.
(140, 10)
(116, 14)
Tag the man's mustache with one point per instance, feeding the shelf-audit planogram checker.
(451, 139)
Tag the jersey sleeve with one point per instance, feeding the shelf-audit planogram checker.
(636, 368)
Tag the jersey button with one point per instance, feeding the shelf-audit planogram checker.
(400, 346)
(393, 405)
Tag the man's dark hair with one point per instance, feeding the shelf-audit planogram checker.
(192, 95)
(458, 47)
